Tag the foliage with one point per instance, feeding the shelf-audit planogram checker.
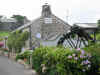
(10, 41)
(19, 56)
(2, 33)
(19, 18)
(98, 30)
(95, 51)
(26, 55)
(17, 40)
(5, 49)
(98, 23)
(61, 61)
(98, 35)
(1, 39)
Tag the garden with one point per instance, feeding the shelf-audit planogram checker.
(64, 61)
(3, 39)
(60, 60)
(57, 60)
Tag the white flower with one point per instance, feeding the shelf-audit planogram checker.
(76, 58)
(85, 62)
(89, 66)
(83, 70)
(43, 67)
(74, 55)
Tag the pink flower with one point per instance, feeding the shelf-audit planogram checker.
(78, 49)
(82, 52)
(81, 56)
(85, 62)
(69, 57)
(76, 58)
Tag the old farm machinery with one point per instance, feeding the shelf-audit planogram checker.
(77, 37)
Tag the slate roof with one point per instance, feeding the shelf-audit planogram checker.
(87, 25)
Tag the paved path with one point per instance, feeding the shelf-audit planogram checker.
(8, 67)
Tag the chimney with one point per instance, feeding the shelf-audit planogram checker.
(46, 10)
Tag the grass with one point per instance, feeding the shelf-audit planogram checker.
(3, 33)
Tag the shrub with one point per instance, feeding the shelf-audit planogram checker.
(5, 49)
(95, 52)
(16, 40)
(19, 56)
(61, 61)
(25, 55)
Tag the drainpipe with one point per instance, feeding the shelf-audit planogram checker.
(30, 38)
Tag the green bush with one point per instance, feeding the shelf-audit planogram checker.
(16, 40)
(19, 56)
(95, 52)
(61, 61)
(26, 55)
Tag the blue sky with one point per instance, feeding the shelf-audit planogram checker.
(77, 10)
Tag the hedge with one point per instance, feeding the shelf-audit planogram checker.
(61, 61)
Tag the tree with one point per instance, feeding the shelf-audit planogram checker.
(19, 18)
(98, 31)
(98, 23)
(17, 40)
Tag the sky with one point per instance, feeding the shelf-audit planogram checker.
(71, 11)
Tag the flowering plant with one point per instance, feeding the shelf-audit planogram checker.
(80, 60)
(1, 44)
(61, 61)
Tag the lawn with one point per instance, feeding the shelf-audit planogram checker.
(3, 33)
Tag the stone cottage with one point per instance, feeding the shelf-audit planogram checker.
(47, 29)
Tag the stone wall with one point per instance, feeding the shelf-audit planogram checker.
(8, 26)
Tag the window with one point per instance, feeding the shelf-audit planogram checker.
(47, 20)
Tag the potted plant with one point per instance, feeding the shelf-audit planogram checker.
(5, 51)
(1, 51)
(26, 56)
